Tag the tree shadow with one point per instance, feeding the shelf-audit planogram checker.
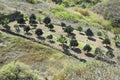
(72, 36)
(41, 38)
(83, 60)
(7, 27)
(52, 30)
(82, 33)
(28, 33)
(90, 55)
(52, 42)
(77, 50)
(92, 39)
(109, 48)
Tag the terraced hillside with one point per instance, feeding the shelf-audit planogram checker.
(59, 40)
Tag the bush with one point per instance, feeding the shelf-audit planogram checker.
(62, 39)
(116, 22)
(17, 71)
(79, 28)
(27, 29)
(32, 19)
(63, 24)
(74, 43)
(5, 21)
(39, 32)
(106, 41)
(50, 36)
(69, 29)
(21, 19)
(110, 54)
(87, 48)
(99, 33)
(51, 26)
(89, 32)
(47, 20)
(33, 1)
(98, 52)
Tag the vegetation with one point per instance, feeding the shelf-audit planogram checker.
(87, 48)
(39, 32)
(68, 29)
(33, 1)
(62, 40)
(5, 22)
(89, 33)
(73, 43)
(106, 41)
(47, 20)
(17, 70)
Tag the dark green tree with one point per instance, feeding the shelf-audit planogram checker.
(21, 19)
(87, 48)
(89, 33)
(27, 29)
(74, 43)
(63, 24)
(106, 41)
(68, 29)
(79, 28)
(39, 32)
(57, 1)
(98, 52)
(51, 26)
(110, 54)
(47, 20)
(32, 19)
(50, 36)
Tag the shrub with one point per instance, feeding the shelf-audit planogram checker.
(32, 19)
(74, 43)
(99, 33)
(17, 71)
(39, 32)
(89, 32)
(51, 26)
(62, 39)
(33, 1)
(98, 52)
(21, 19)
(87, 48)
(69, 29)
(63, 24)
(57, 1)
(27, 29)
(106, 41)
(116, 22)
(5, 21)
(47, 20)
(79, 28)
(110, 54)
(50, 36)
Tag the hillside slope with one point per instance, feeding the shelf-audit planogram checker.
(51, 63)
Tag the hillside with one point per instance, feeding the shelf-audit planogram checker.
(59, 40)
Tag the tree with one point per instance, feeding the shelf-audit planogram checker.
(73, 43)
(20, 19)
(68, 29)
(89, 33)
(5, 21)
(62, 40)
(32, 19)
(99, 33)
(110, 54)
(39, 32)
(27, 29)
(79, 28)
(47, 20)
(87, 48)
(17, 71)
(50, 36)
(57, 1)
(98, 52)
(51, 26)
(63, 24)
(106, 41)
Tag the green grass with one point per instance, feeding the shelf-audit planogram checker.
(82, 16)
